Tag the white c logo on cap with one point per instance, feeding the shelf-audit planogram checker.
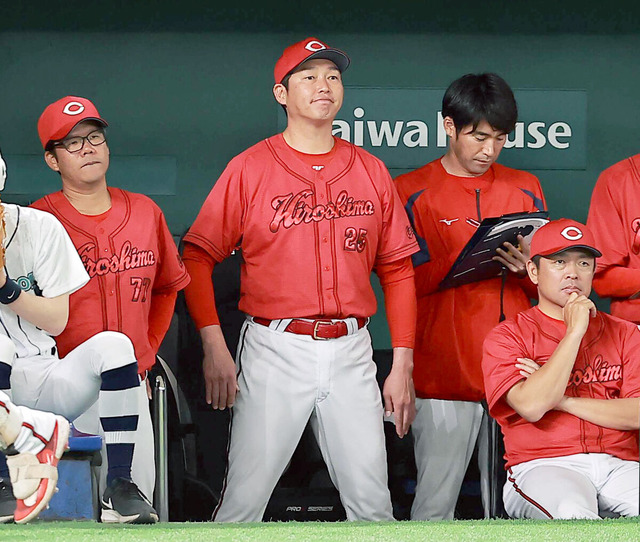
(572, 233)
(314, 46)
(73, 108)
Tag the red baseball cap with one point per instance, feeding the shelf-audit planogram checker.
(59, 118)
(304, 50)
(562, 234)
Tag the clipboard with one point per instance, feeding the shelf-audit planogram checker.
(474, 262)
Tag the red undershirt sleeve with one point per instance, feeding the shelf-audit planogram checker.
(160, 314)
(617, 281)
(397, 281)
(199, 293)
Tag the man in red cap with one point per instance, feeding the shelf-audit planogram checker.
(313, 215)
(132, 260)
(563, 381)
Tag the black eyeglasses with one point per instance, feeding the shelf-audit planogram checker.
(74, 144)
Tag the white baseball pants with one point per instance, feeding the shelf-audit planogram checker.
(579, 486)
(69, 386)
(284, 380)
(445, 434)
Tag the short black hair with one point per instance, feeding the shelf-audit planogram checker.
(476, 97)
(536, 260)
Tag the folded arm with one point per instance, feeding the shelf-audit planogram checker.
(622, 414)
(541, 392)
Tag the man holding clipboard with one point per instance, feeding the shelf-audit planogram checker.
(446, 201)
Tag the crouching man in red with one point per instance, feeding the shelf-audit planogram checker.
(563, 382)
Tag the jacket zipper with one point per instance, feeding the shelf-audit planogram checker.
(478, 204)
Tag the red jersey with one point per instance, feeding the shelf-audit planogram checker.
(129, 255)
(310, 236)
(614, 219)
(607, 367)
(445, 211)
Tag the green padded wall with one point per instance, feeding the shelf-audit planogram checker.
(183, 97)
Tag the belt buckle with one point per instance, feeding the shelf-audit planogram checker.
(316, 325)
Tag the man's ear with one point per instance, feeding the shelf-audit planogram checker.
(449, 127)
(280, 93)
(51, 160)
(532, 270)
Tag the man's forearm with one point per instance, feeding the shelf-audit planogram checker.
(212, 338)
(617, 281)
(48, 313)
(199, 293)
(397, 282)
(622, 414)
(533, 397)
(403, 359)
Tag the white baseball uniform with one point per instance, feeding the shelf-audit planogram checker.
(41, 259)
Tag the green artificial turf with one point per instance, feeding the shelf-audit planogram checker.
(496, 530)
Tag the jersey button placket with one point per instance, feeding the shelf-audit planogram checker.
(326, 257)
(326, 264)
(324, 233)
(109, 278)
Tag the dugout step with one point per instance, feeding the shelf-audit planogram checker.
(77, 497)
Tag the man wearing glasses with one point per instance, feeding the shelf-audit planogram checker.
(39, 271)
(127, 249)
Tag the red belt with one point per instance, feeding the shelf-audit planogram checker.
(317, 329)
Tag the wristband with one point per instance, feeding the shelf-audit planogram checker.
(9, 292)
